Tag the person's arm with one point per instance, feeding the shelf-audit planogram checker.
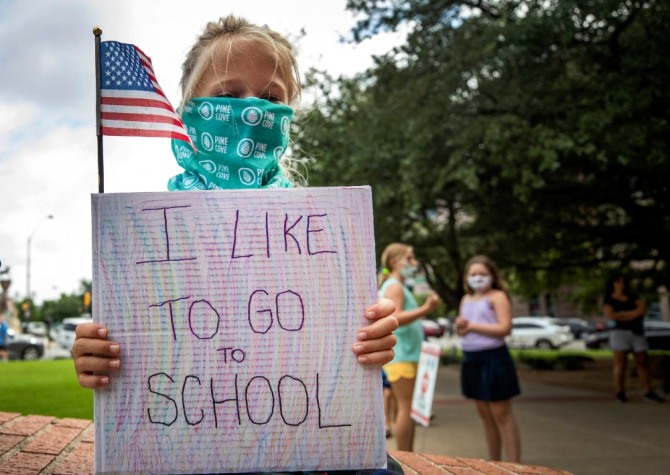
(503, 325)
(405, 317)
(626, 315)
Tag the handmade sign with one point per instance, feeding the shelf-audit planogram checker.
(424, 388)
(236, 312)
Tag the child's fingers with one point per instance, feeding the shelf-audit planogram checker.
(376, 358)
(88, 346)
(93, 381)
(382, 327)
(387, 342)
(383, 308)
(90, 330)
(91, 370)
(96, 364)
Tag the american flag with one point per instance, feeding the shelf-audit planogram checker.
(131, 101)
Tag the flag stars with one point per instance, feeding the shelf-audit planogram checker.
(123, 68)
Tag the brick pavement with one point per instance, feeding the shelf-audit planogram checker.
(42, 445)
(45, 445)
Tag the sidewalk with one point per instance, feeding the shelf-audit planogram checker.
(583, 432)
(44, 445)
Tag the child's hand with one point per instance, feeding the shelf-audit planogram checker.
(376, 341)
(432, 302)
(94, 356)
(462, 326)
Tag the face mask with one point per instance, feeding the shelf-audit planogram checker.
(239, 144)
(479, 282)
(408, 271)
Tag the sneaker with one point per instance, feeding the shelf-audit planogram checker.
(621, 396)
(651, 396)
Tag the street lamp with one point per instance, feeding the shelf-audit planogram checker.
(30, 238)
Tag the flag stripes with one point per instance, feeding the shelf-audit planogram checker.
(132, 102)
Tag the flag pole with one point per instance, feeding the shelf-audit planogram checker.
(97, 32)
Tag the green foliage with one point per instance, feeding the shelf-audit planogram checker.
(550, 359)
(67, 306)
(47, 388)
(532, 131)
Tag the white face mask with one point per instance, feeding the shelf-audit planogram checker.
(408, 271)
(479, 282)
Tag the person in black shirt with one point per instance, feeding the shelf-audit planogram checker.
(627, 311)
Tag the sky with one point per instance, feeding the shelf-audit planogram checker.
(48, 151)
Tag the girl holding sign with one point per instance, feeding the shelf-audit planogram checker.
(398, 263)
(245, 77)
(234, 66)
(487, 373)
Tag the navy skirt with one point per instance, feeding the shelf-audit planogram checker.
(489, 375)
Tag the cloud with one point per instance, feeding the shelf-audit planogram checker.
(51, 61)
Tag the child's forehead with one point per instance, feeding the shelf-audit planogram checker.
(243, 49)
(229, 55)
(478, 267)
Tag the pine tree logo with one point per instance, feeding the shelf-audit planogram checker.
(252, 116)
(206, 110)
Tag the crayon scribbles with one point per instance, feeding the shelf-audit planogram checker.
(236, 312)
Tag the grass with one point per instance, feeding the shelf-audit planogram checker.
(46, 388)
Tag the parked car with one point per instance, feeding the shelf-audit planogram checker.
(22, 346)
(538, 332)
(66, 333)
(657, 334)
(578, 326)
(37, 328)
(445, 323)
(54, 331)
(431, 328)
(598, 339)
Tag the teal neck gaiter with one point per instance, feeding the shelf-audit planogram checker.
(239, 143)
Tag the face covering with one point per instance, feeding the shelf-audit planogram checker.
(479, 282)
(239, 144)
(408, 271)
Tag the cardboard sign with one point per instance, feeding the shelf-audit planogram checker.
(236, 312)
(424, 387)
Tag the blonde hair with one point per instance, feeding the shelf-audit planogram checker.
(218, 38)
(391, 253)
(496, 280)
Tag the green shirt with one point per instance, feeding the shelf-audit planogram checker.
(410, 337)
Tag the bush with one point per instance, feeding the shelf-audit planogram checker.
(550, 359)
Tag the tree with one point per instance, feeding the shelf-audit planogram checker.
(533, 131)
(67, 305)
